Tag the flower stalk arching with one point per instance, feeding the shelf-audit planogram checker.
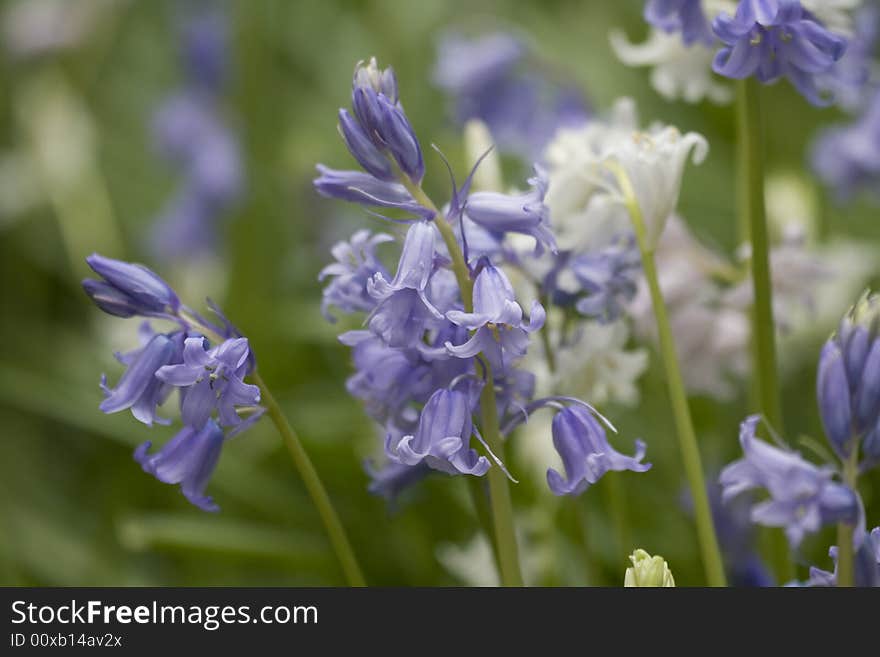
(312, 481)
(499, 491)
(690, 451)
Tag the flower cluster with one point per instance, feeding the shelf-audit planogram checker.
(496, 79)
(803, 496)
(191, 133)
(811, 43)
(205, 362)
(446, 324)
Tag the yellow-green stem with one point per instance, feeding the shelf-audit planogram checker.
(313, 484)
(845, 551)
(499, 491)
(690, 451)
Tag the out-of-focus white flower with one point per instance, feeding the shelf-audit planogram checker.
(679, 71)
(710, 338)
(477, 143)
(36, 27)
(654, 162)
(584, 196)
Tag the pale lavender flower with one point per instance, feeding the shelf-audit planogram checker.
(609, 280)
(500, 332)
(139, 388)
(356, 263)
(212, 378)
(586, 453)
(364, 189)
(803, 496)
(404, 311)
(684, 16)
(523, 213)
(391, 479)
(772, 39)
(188, 459)
(494, 78)
(442, 439)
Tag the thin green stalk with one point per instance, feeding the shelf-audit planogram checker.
(314, 486)
(499, 491)
(753, 224)
(845, 552)
(690, 451)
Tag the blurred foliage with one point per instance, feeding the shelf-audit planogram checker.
(76, 510)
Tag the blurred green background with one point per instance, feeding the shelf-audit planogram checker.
(74, 507)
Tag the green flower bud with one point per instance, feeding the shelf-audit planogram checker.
(648, 571)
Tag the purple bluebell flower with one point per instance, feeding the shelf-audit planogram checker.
(494, 78)
(404, 310)
(772, 39)
(139, 388)
(515, 213)
(188, 459)
(586, 453)
(850, 81)
(848, 382)
(362, 188)
(685, 16)
(500, 332)
(803, 496)
(847, 157)
(212, 378)
(609, 280)
(204, 46)
(129, 289)
(866, 567)
(356, 263)
(190, 132)
(384, 126)
(442, 439)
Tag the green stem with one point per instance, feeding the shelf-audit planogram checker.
(499, 491)
(314, 486)
(690, 451)
(549, 354)
(845, 552)
(753, 225)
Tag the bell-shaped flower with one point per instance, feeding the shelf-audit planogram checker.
(404, 310)
(443, 437)
(364, 189)
(188, 459)
(803, 496)
(364, 149)
(586, 454)
(391, 479)
(356, 263)
(648, 571)
(382, 120)
(128, 289)
(684, 16)
(212, 378)
(848, 382)
(772, 39)
(515, 213)
(139, 388)
(654, 164)
(497, 321)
